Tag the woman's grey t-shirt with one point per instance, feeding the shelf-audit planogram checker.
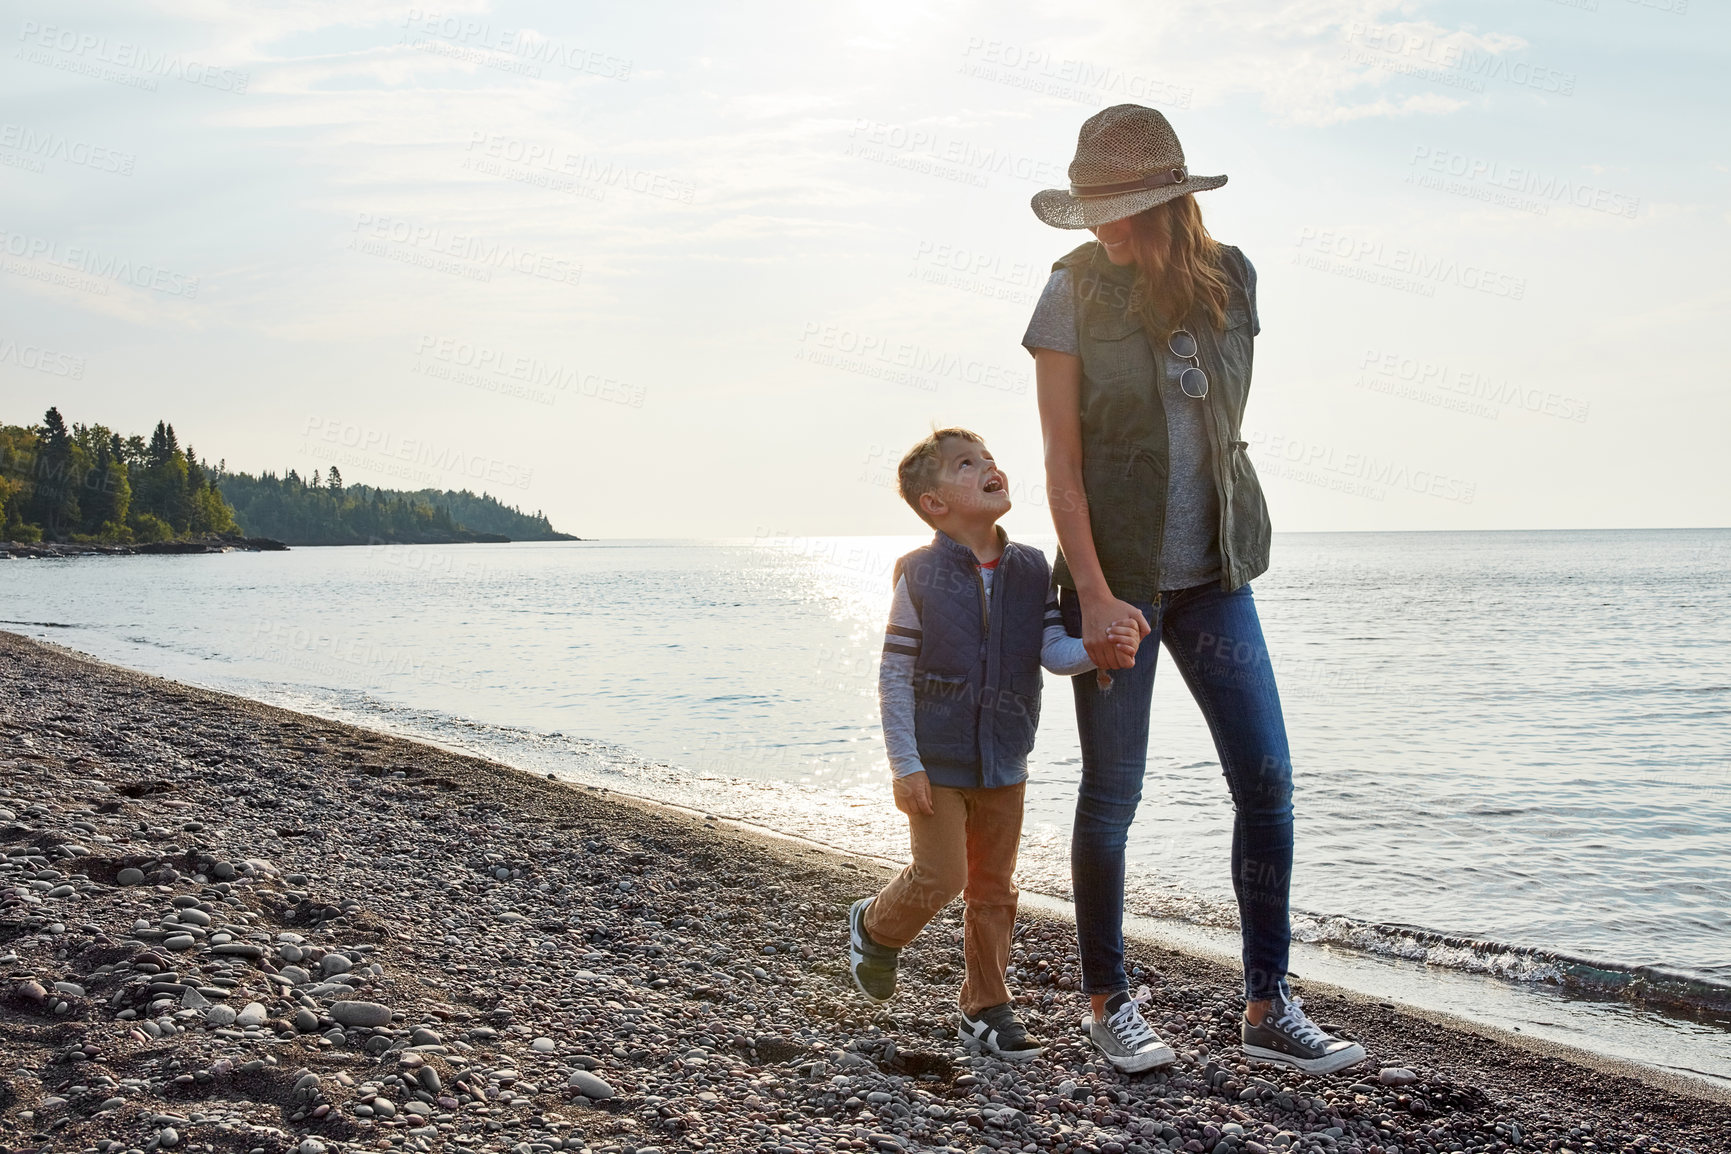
(1190, 553)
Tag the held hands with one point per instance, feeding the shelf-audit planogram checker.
(913, 794)
(1107, 624)
(1126, 634)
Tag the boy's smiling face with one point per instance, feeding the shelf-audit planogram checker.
(970, 484)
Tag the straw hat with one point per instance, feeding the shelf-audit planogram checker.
(1127, 159)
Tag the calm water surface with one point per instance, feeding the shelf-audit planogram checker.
(1511, 749)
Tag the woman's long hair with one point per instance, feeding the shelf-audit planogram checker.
(1177, 267)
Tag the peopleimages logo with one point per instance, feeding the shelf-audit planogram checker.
(1450, 58)
(951, 157)
(396, 238)
(1349, 471)
(576, 167)
(904, 362)
(531, 49)
(40, 360)
(87, 52)
(42, 144)
(1399, 267)
(540, 380)
(1036, 70)
(1515, 185)
(1461, 389)
(79, 259)
(362, 443)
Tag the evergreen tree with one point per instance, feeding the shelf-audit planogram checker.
(107, 494)
(53, 504)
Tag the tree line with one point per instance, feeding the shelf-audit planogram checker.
(87, 484)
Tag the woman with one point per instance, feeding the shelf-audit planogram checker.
(1142, 350)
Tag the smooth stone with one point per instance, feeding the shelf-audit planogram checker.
(70, 989)
(590, 1086)
(358, 1013)
(310, 1146)
(306, 1021)
(191, 999)
(239, 950)
(544, 1045)
(179, 942)
(192, 917)
(130, 876)
(384, 1107)
(1396, 1076)
(220, 1016)
(336, 964)
(252, 1014)
(224, 871)
(294, 974)
(422, 1036)
(168, 1136)
(289, 952)
(430, 1080)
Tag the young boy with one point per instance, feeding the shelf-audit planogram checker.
(975, 616)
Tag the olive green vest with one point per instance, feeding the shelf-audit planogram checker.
(1124, 451)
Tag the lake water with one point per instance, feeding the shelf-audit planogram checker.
(1511, 749)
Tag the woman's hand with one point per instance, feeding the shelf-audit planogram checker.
(1099, 615)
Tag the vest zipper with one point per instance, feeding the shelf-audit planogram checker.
(985, 671)
(985, 618)
(1221, 495)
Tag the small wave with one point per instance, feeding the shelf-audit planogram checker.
(41, 624)
(1528, 965)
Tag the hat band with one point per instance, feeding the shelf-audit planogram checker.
(1153, 180)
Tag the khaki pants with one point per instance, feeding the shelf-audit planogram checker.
(966, 846)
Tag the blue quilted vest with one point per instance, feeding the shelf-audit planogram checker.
(977, 679)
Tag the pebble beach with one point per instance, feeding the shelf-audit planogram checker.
(230, 927)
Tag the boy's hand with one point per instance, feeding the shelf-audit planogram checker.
(913, 793)
(1126, 634)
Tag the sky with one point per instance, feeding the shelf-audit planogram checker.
(692, 270)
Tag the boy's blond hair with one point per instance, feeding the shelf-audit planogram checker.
(917, 475)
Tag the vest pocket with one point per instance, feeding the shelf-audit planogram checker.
(1116, 349)
(1250, 527)
(946, 718)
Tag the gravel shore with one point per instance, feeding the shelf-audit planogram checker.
(230, 927)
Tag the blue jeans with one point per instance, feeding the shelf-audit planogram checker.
(1216, 641)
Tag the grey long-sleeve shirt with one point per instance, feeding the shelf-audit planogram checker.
(1059, 652)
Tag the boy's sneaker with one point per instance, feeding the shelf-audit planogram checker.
(1289, 1037)
(996, 1031)
(873, 966)
(1128, 1042)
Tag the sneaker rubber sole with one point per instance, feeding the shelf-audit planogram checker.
(856, 927)
(1327, 1064)
(974, 1043)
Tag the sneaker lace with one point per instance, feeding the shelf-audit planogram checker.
(1128, 1025)
(1296, 1023)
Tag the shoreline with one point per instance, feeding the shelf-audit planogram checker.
(632, 937)
(204, 546)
